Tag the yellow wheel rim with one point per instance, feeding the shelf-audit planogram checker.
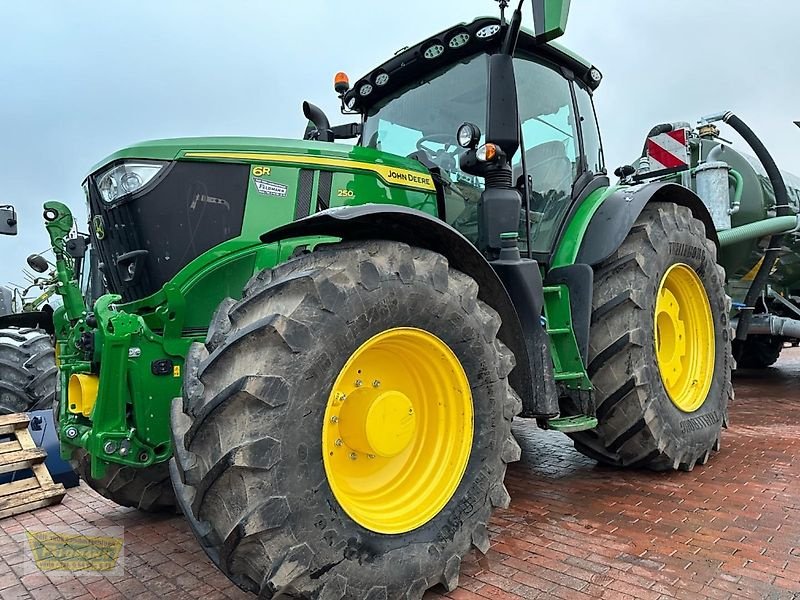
(398, 428)
(684, 337)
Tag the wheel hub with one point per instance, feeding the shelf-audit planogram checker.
(684, 337)
(397, 431)
(378, 423)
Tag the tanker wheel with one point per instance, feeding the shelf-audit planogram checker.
(345, 430)
(28, 370)
(660, 346)
(757, 351)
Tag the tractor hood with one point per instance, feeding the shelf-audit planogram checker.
(393, 170)
(158, 208)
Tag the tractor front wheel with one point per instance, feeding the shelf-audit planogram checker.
(345, 430)
(147, 489)
(660, 346)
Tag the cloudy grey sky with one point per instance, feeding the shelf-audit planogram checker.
(81, 79)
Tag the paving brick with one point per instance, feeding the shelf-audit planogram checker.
(727, 530)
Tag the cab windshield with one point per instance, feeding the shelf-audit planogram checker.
(425, 119)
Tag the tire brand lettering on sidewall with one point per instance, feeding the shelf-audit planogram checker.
(686, 250)
(701, 422)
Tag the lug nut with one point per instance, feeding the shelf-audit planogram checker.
(359, 383)
(334, 419)
(370, 456)
(110, 447)
(339, 442)
(353, 456)
(376, 384)
(71, 432)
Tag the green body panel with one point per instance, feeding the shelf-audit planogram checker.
(567, 361)
(132, 406)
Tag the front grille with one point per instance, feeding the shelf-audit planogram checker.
(194, 207)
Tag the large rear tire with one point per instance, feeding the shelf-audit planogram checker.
(28, 370)
(660, 346)
(274, 482)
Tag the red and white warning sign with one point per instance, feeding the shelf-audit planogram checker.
(669, 151)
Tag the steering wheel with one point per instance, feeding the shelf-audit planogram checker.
(447, 157)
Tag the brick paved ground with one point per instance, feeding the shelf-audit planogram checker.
(730, 529)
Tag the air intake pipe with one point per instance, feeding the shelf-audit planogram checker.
(782, 209)
(320, 120)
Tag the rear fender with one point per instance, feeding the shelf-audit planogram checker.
(612, 221)
(415, 228)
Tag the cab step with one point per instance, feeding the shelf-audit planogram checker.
(572, 424)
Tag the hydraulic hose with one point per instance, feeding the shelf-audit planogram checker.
(782, 209)
(756, 230)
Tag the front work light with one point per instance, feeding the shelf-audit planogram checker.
(468, 135)
(126, 178)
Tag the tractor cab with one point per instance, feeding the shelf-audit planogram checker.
(414, 104)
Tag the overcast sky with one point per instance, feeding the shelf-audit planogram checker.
(81, 79)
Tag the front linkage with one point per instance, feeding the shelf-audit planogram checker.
(105, 357)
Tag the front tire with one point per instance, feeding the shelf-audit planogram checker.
(659, 322)
(147, 489)
(250, 432)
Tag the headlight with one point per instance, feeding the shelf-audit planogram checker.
(126, 178)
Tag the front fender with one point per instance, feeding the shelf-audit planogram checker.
(611, 222)
(416, 228)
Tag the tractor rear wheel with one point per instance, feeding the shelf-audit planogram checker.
(757, 351)
(345, 430)
(27, 370)
(660, 346)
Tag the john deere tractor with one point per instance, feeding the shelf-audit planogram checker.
(322, 346)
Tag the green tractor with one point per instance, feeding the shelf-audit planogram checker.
(322, 346)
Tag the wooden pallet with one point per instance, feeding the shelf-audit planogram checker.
(18, 452)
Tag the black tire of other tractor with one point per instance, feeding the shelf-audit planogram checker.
(757, 351)
(147, 489)
(247, 466)
(28, 370)
(639, 426)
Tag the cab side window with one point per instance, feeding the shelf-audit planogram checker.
(592, 147)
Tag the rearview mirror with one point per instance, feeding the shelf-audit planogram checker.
(550, 19)
(37, 263)
(8, 220)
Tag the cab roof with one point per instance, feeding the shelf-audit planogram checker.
(457, 44)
